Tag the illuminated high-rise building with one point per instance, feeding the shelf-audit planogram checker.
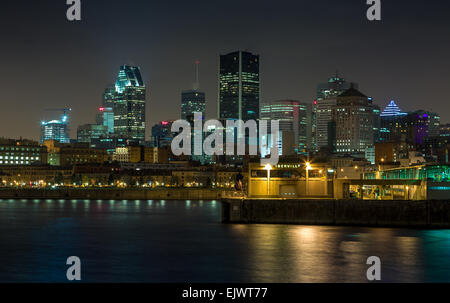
(129, 104)
(326, 96)
(55, 130)
(294, 117)
(105, 117)
(108, 97)
(238, 86)
(353, 120)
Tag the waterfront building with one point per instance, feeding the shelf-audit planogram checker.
(34, 175)
(239, 86)
(21, 152)
(87, 132)
(137, 154)
(354, 122)
(129, 104)
(68, 154)
(294, 117)
(55, 130)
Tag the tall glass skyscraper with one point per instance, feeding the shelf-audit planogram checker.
(192, 101)
(294, 117)
(129, 104)
(238, 86)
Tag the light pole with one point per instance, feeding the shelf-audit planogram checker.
(268, 167)
(308, 168)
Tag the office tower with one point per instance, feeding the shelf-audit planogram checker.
(193, 101)
(392, 110)
(412, 128)
(326, 95)
(108, 97)
(294, 117)
(391, 125)
(420, 125)
(353, 118)
(55, 130)
(238, 86)
(162, 135)
(87, 132)
(105, 117)
(129, 104)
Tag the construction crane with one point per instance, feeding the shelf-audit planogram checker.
(64, 110)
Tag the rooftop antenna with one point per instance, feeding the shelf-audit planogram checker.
(196, 84)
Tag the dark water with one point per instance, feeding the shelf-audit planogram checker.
(184, 241)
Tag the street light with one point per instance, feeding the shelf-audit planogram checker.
(268, 167)
(308, 168)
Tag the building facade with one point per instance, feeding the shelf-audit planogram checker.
(87, 132)
(354, 122)
(129, 104)
(55, 130)
(192, 101)
(239, 86)
(326, 95)
(105, 117)
(21, 152)
(294, 117)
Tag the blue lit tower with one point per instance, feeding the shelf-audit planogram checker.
(56, 129)
(392, 126)
(129, 104)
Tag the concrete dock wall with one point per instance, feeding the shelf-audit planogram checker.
(339, 212)
(113, 194)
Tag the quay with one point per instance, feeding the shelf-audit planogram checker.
(353, 212)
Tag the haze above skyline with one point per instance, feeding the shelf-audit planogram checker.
(48, 62)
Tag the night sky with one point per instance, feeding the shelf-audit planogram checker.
(49, 62)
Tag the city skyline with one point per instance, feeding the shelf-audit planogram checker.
(292, 63)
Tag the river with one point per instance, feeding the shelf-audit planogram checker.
(184, 241)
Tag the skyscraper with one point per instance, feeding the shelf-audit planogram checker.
(294, 117)
(55, 130)
(105, 117)
(129, 104)
(108, 97)
(193, 101)
(238, 86)
(326, 95)
(354, 122)
(161, 134)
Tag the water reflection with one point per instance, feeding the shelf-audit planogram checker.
(176, 241)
